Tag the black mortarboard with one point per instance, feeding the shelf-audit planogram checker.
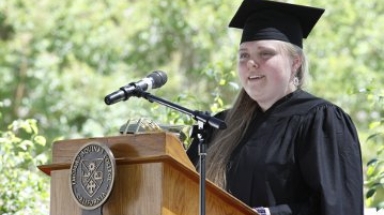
(261, 19)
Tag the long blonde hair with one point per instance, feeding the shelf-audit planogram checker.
(238, 120)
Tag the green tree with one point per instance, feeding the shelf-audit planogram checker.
(23, 189)
(375, 166)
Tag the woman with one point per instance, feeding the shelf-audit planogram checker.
(285, 151)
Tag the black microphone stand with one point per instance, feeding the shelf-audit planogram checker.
(203, 121)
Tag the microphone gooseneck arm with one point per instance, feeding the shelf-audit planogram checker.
(197, 115)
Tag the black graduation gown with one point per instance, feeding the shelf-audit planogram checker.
(302, 156)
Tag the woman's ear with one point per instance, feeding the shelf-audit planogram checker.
(296, 63)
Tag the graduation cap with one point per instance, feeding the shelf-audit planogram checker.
(261, 20)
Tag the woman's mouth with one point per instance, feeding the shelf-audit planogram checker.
(255, 77)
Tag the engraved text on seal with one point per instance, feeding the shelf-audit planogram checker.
(92, 175)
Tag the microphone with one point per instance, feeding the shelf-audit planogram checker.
(154, 80)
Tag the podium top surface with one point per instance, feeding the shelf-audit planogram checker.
(132, 148)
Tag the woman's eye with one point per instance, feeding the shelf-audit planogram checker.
(266, 54)
(243, 55)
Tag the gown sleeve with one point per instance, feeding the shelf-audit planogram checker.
(329, 158)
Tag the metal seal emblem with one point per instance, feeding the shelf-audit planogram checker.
(92, 175)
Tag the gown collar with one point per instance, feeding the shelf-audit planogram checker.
(279, 102)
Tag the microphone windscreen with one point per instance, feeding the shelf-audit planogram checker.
(159, 78)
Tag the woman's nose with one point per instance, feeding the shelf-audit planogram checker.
(252, 64)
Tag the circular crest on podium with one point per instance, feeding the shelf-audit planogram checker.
(92, 175)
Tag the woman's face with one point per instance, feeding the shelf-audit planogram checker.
(266, 71)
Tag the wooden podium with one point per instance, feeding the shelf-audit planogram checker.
(154, 177)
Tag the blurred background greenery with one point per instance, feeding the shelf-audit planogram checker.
(58, 59)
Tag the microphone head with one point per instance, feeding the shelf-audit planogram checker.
(159, 78)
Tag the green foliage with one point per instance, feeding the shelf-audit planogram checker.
(64, 57)
(375, 166)
(23, 189)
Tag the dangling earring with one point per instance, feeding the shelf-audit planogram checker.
(296, 81)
